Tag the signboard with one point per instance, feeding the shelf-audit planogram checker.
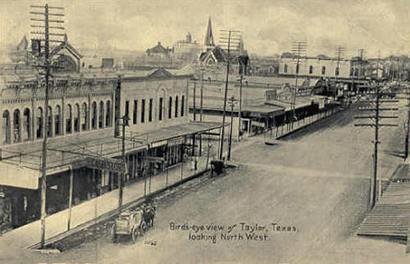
(103, 164)
(270, 95)
(159, 143)
(20, 177)
(175, 141)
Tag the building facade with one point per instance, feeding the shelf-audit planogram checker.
(317, 67)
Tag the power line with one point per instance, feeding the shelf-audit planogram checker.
(228, 35)
(299, 50)
(45, 64)
(375, 117)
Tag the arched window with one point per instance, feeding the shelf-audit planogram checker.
(183, 105)
(77, 118)
(285, 68)
(101, 115)
(57, 121)
(176, 106)
(68, 119)
(297, 68)
(6, 127)
(50, 122)
(108, 114)
(16, 126)
(40, 120)
(94, 115)
(26, 124)
(310, 69)
(323, 69)
(170, 107)
(84, 117)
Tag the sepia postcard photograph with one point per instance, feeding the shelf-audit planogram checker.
(204, 132)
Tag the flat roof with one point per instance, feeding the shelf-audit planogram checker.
(65, 151)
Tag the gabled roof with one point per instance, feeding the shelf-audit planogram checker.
(158, 49)
(159, 73)
(23, 44)
(66, 45)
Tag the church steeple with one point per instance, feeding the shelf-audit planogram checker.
(209, 37)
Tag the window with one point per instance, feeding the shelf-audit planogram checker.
(142, 110)
(323, 70)
(16, 126)
(77, 118)
(6, 127)
(297, 68)
(176, 106)
(183, 105)
(94, 115)
(285, 68)
(39, 116)
(101, 115)
(337, 71)
(170, 108)
(108, 114)
(84, 118)
(161, 102)
(27, 124)
(135, 112)
(50, 122)
(57, 121)
(127, 111)
(150, 111)
(69, 119)
(310, 69)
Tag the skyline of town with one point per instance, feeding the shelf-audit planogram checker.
(353, 25)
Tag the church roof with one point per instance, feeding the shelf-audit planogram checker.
(209, 37)
(66, 45)
(23, 44)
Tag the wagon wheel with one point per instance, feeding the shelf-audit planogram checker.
(114, 236)
(151, 221)
(143, 227)
(134, 234)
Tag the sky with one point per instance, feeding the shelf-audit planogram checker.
(268, 26)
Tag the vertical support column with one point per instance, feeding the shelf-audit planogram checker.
(70, 198)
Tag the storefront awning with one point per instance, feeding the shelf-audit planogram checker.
(17, 176)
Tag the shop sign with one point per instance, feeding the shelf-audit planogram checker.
(159, 143)
(175, 141)
(104, 164)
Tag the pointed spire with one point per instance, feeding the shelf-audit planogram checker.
(209, 37)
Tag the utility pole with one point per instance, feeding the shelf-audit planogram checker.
(339, 54)
(232, 101)
(375, 119)
(201, 105)
(232, 36)
(124, 122)
(41, 15)
(299, 50)
(240, 107)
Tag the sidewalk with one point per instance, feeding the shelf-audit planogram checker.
(28, 235)
(287, 129)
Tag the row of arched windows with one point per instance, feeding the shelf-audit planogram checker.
(18, 127)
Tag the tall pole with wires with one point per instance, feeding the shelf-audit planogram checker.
(299, 51)
(339, 57)
(41, 20)
(375, 117)
(229, 37)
